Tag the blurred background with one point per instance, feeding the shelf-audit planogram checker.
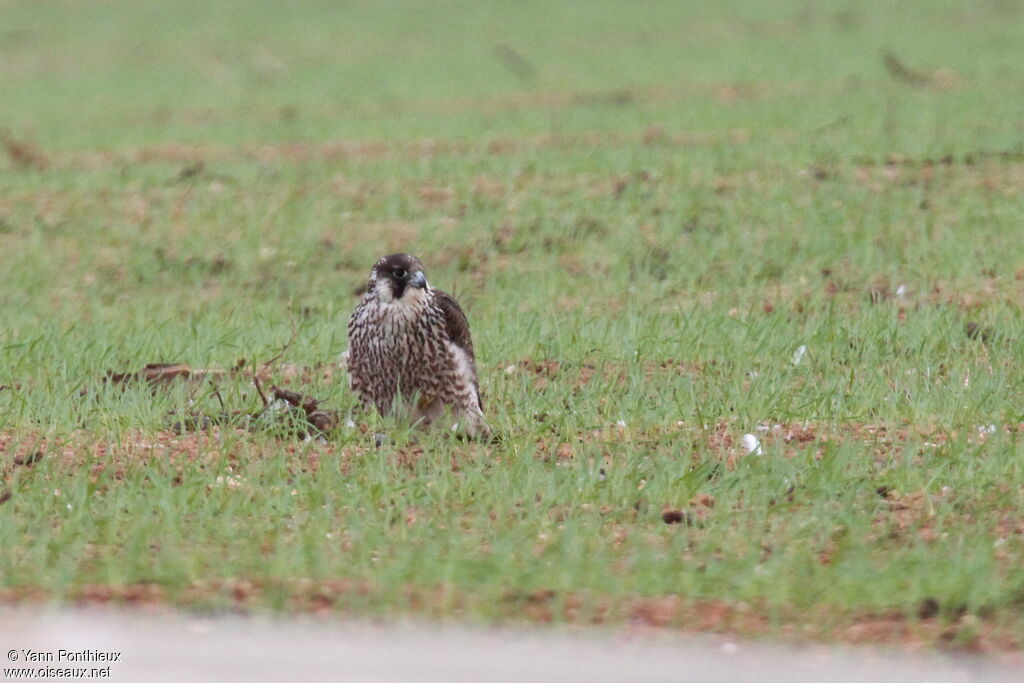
(109, 74)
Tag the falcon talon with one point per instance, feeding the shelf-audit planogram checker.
(410, 348)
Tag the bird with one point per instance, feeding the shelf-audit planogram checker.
(410, 352)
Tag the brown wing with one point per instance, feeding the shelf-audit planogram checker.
(455, 321)
(458, 331)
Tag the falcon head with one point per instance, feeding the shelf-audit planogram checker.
(398, 278)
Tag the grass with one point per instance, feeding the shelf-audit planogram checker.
(645, 214)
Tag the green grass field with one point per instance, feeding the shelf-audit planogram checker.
(646, 210)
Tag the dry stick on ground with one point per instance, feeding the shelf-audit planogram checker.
(259, 390)
(317, 420)
(516, 63)
(901, 72)
(216, 392)
(162, 373)
(322, 420)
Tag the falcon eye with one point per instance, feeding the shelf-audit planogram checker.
(400, 273)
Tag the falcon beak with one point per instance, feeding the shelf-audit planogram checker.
(418, 280)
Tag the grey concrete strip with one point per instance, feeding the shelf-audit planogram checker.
(185, 648)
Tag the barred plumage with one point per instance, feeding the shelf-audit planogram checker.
(410, 349)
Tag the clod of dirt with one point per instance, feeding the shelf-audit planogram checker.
(192, 170)
(4, 497)
(676, 517)
(976, 331)
(883, 491)
(24, 154)
(28, 460)
(928, 609)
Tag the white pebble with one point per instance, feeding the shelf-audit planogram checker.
(750, 442)
(798, 355)
(510, 370)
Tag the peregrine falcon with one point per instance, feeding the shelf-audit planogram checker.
(409, 349)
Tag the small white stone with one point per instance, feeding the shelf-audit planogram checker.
(799, 354)
(750, 442)
(985, 430)
(902, 291)
(621, 423)
(510, 370)
(350, 423)
(231, 481)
